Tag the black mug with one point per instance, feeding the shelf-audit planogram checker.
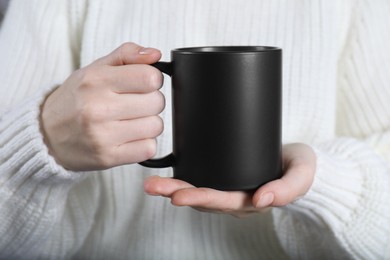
(227, 104)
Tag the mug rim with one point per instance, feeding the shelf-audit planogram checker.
(226, 49)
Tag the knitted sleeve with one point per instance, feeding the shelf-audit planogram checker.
(346, 214)
(38, 50)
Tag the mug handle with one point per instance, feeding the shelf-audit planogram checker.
(168, 160)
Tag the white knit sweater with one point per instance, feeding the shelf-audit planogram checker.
(336, 98)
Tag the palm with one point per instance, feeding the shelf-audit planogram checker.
(299, 168)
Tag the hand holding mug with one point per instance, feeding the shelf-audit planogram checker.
(106, 114)
(299, 162)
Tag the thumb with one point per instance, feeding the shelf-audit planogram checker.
(130, 53)
(300, 167)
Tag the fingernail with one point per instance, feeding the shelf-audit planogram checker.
(146, 51)
(148, 187)
(151, 192)
(265, 200)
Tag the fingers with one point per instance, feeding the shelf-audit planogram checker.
(211, 199)
(136, 78)
(133, 106)
(118, 143)
(300, 165)
(87, 121)
(125, 70)
(130, 53)
(132, 152)
(98, 88)
(134, 130)
(159, 186)
(237, 204)
(125, 107)
(185, 194)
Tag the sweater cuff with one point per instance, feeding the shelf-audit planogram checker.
(348, 201)
(27, 169)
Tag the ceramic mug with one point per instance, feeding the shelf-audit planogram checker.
(227, 104)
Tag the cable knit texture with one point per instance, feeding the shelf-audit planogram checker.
(335, 98)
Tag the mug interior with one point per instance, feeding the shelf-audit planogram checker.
(226, 49)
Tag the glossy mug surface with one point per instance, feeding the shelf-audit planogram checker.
(227, 104)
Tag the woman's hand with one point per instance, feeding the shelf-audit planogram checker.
(106, 114)
(299, 162)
